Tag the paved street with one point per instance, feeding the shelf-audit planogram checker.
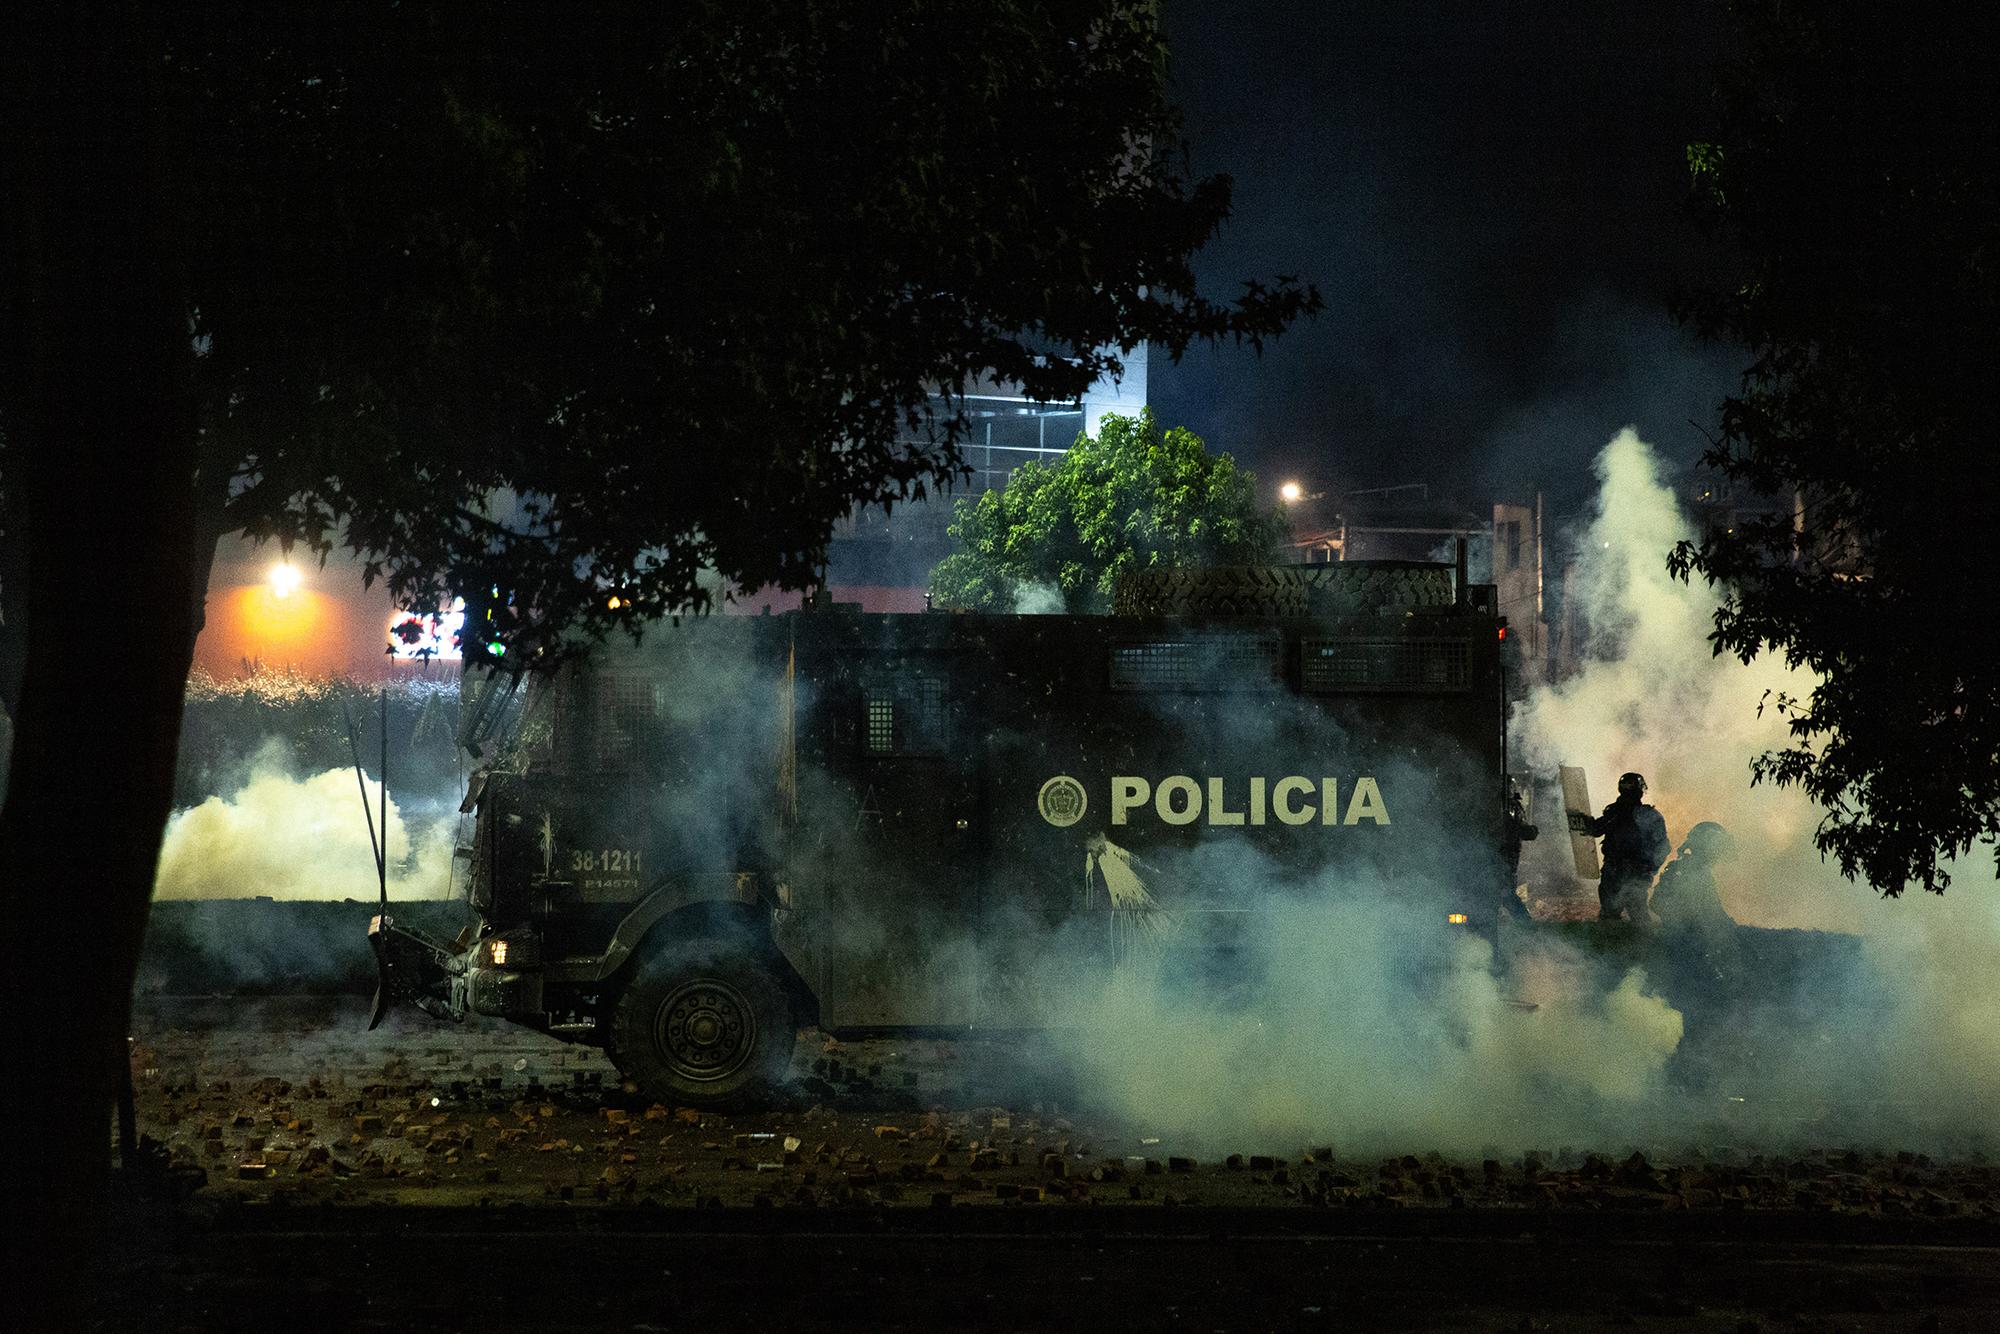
(484, 1175)
(537, 1269)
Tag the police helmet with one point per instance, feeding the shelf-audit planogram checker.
(1631, 785)
(1708, 839)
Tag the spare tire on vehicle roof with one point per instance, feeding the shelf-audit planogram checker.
(1214, 590)
(1343, 588)
(1346, 588)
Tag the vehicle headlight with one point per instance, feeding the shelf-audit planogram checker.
(516, 951)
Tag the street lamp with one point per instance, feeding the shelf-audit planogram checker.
(285, 579)
(1290, 492)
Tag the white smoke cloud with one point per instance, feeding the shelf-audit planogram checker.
(297, 838)
(1655, 699)
(1036, 599)
(1905, 1037)
(1940, 961)
(1376, 1029)
(1888, 1038)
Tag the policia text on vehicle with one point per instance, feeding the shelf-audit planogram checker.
(1180, 800)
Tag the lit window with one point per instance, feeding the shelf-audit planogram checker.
(427, 636)
(881, 722)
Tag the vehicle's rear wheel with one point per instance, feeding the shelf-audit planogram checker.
(703, 1024)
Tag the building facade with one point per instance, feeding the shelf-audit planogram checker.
(882, 562)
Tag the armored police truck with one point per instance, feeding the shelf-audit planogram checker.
(934, 823)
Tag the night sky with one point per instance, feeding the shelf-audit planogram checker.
(1490, 197)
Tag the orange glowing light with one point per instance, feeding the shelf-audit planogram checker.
(309, 629)
(1455, 918)
(285, 616)
(285, 579)
(256, 622)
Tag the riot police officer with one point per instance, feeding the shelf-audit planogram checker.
(1518, 831)
(1687, 900)
(1635, 845)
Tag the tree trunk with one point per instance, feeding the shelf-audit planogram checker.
(100, 465)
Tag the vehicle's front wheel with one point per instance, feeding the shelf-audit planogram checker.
(703, 1024)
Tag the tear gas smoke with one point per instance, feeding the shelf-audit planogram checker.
(1904, 1039)
(1258, 1007)
(1376, 1028)
(1653, 698)
(284, 837)
(1034, 599)
(1890, 1039)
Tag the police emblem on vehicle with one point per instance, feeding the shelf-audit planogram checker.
(1062, 801)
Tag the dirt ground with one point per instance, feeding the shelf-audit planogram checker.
(487, 1177)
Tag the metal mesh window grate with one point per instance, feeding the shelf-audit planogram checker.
(904, 717)
(624, 718)
(924, 726)
(880, 736)
(605, 721)
(1196, 664)
(1386, 664)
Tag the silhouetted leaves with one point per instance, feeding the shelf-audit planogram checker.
(1852, 174)
(528, 303)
